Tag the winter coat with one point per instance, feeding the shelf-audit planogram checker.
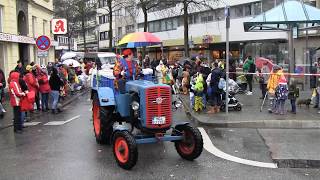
(313, 79)
(216, 74)
(44, 86)
(274, 81)
(55, 82)
(32, 82)
(293, 91)
(281, 92)
(3, 82)
(15, 91)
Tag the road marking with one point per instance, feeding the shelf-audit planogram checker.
(31, 123)
(208, 145)
(59, 123)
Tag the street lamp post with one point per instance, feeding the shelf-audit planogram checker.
(227, 14)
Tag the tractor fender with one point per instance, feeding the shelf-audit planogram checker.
(106, 96)
(119, 128)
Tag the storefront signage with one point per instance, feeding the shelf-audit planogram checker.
(59, 26)
(16, 38)
(207, 39)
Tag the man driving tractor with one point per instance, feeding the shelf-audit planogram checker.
(125, 69)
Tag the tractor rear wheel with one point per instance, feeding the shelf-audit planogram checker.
(191, 146)
(102, 123)
(125, 149)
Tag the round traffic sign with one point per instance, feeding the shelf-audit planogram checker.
(43, 43)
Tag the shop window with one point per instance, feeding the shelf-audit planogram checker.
(169, 24)
(257, 7)
(247, 10)
(156, 26)
(163, 25)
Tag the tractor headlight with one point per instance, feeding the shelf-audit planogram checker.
(135, 105)
(178, 104)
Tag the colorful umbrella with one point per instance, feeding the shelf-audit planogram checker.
(139, 39)
(260, 61)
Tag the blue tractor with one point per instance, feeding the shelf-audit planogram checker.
(145, 106)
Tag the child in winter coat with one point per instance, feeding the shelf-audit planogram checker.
(44, 88)
(199, 91)
(281, 93)
(16, 93)
(293, 95)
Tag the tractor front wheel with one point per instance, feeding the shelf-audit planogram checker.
(125, 149)
(191, 146)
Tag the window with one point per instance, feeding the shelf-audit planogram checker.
(129, 11)
(119, 32)
(163, 25)
(170, 24)
(151, 27)
(44, 26)
(117, 12)
(129, 28)
(156, 26)
(247, 10)
(219, 14)
(104, 19)
(104, 35)
(267, 5)
(175, 23)
(238, 11)
(34, 22)
(193, 18)
(278, 2)
(257, 7)
(1, 18)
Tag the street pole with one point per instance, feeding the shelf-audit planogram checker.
(227, 14)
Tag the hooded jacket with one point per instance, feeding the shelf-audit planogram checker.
(15, 89)
(44, 86)
(274, 80)
(32, 82)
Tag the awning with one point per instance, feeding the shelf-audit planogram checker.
(284, 16)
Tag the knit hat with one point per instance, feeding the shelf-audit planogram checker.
(127, 52)
(29, 68)
(282, 80)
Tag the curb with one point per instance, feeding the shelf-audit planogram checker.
(65, 103)
(259, 124)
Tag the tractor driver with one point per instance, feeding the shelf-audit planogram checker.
(125, 69)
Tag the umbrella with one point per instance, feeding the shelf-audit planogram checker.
(68, 55)
(139, 39)
(260, 61)
(72, 62)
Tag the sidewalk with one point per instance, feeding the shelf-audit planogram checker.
(7, 120)
(251, 117)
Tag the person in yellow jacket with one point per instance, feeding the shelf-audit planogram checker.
(276, 74)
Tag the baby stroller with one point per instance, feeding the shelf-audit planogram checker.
(233, 103)
(242, 83)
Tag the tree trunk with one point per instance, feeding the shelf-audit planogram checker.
(110, 34)
(145, 15)
(84, 34)
(186, 28)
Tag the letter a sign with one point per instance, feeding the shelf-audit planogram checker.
(59, 26)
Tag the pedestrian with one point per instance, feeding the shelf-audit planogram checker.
(24, 88)
(233, 70)
(32, 83)
(159, 72)
(281, 95)
(55, 85)
(263, 79)
(216, 100)
(71, 78)
(313, 84)
(44, 89)
(293, 95)
(249, 67)
(199, 93)
(2, 87)
(19, 68)
(273, 82)
(15, 95)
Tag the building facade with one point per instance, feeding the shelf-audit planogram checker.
(21, 22)
(207, 32)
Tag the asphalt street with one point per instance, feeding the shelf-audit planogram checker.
(63, 147)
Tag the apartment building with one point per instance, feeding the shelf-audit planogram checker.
(22, 21)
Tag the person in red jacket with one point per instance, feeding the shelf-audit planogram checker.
(16, 93)
(32, 83)
(44, 88)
